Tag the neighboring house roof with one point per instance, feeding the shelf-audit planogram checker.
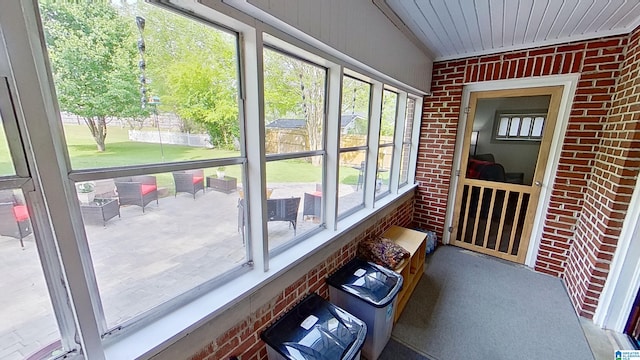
(287, 124)
(345, 121)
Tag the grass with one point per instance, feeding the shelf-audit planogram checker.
(122, 152)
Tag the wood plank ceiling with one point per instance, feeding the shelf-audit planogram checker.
(450, 29)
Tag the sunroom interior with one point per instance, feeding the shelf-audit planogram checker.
(232, 154)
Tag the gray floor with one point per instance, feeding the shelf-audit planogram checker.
(471, 306)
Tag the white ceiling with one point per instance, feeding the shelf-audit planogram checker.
(450, 29)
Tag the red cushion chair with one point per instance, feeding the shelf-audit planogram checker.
(14, 217)
(137, 190)
(190, 181)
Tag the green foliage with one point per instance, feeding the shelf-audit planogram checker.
(94, 62)
(194, 71)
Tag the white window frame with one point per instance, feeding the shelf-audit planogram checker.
(145, 338)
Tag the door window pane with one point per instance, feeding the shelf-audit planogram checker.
(351, 180)
(538, 125)
(354, 125)
(504, 126)
(138, 84)
(28, 323)
(154, 237)
(515, 126)
(294, 98)
(296, 199)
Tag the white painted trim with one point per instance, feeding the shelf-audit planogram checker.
(623, 281)
(569, 82)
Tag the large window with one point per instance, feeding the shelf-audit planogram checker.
(166, 178)
(354, 131)
(294, 98)
(139, 87)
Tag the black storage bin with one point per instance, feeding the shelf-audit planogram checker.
(315, 329)
(369, 292)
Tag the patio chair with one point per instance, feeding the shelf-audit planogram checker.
(14, 217)
(360, 183)
(137, 190)
(189, 181)
(277, 210)
(285, 209)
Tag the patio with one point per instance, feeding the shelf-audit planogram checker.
(141, 259)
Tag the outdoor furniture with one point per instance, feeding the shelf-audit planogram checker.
(285, 209)
(312, 204)
(360, 183)
(189, 181)
(137, 190)
(14, 217)
(99, 211)
(226, 185)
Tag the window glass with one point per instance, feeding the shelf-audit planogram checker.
(384, 168)
(537, 127)
(514, 126)
(518, 127)
(406, 141)
(404, 163)
(295, 204)
(137, 84)
(388, 120)
(6, 161)
(351, 180)
(504, 126)
(294, 99)
(354, 122)
(525, 128)
(28, 323)
(152, 237)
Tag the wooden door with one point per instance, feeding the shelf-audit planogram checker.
(494, 206)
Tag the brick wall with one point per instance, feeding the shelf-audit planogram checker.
(243, 339)
(598, 62)
(609, 189)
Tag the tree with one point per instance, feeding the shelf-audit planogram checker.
(94, 62)
(295, 89)
(193, 68)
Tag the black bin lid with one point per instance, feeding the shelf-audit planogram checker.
(316, 329)
(372, 283)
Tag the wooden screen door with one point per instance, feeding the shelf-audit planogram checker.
(501, 174)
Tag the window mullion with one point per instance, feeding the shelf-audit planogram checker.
(332, 160)
(415, 140)
(255, 135)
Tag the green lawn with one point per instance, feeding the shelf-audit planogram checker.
(121, 152)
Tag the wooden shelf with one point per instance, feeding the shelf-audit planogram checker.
(411, 269)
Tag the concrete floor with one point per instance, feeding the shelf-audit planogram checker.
(140, 260)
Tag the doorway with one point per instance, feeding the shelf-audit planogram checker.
(505, 150)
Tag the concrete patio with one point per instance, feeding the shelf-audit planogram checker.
(140, 259)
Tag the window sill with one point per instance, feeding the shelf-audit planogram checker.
(246, 290)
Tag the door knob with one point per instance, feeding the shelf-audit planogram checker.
(538, 183)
